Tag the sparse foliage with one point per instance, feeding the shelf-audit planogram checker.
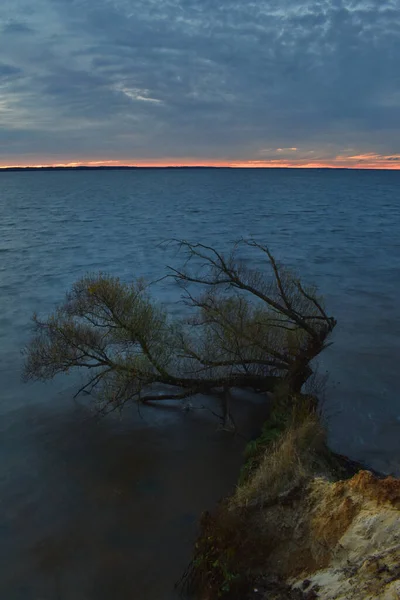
(249, 329)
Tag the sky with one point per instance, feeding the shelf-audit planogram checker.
(200, 82)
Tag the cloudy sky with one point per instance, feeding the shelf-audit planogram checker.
(236, 82)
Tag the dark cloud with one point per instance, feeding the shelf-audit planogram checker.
(15, 28)
(198, 78)
(7, 71)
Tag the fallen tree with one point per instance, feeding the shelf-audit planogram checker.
(248, 329)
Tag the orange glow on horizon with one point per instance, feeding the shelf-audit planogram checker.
(360, 161)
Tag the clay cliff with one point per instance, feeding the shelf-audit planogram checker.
(302, 525)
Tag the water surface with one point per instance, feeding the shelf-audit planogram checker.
(94, 510)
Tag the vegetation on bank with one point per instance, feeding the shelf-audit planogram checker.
(237, 543)
(247, 328)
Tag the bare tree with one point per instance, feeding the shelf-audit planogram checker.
(248, 329)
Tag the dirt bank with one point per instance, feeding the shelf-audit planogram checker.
(295, 528)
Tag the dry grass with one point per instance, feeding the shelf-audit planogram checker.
(264, 528)
(253, 532)
(286, 463)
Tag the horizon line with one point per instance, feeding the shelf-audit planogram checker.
(364, 160)
(231, 165)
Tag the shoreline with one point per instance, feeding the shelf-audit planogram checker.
(190, 167)
(304, 523)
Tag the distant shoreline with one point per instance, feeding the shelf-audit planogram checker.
(100, 168)
(141, 168)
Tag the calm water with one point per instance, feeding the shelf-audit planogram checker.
(94, 510)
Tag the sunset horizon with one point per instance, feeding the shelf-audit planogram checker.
(365, 162)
